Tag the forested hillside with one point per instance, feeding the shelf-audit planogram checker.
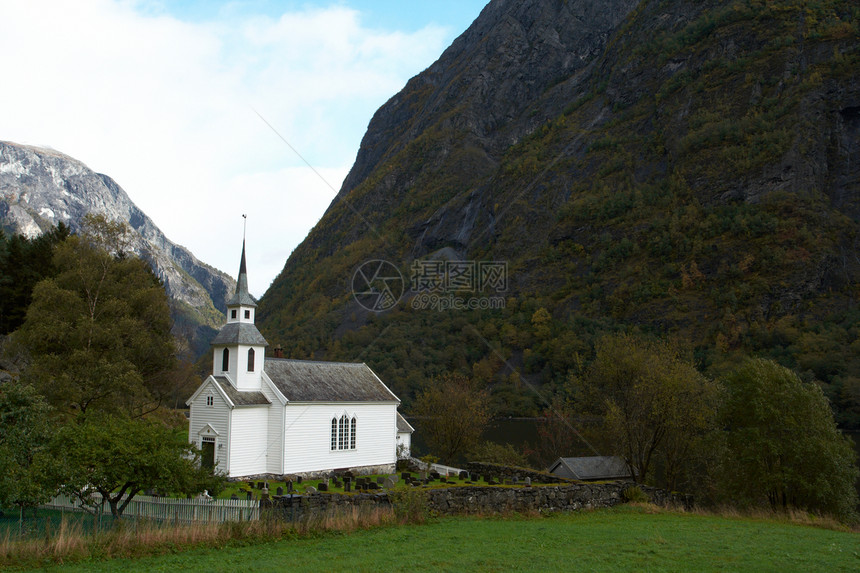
(690, 169)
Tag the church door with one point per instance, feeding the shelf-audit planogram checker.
(207, 458)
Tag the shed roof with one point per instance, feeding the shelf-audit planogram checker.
(403, 425)
(241, 398)
(239, 333)
(311, 381)
(594, 467)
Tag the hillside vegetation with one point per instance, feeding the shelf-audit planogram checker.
(689, 169)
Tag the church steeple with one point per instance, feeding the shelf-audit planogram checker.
(239, 350)
(242, 297)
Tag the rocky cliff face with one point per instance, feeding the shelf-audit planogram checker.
(40, 188)
(690, 168)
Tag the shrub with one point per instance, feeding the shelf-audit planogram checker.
(634, 494)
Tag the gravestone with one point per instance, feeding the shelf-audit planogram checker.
(261, 484)
(464, 475)
(516, 480)
(234, 496)
(380, 480)
(279, 491)
(310, 489)
(347, 486)
(405, 476)
(528, 482)
(289, 485)
(373, 485)
(389, 483)
(323, 486)
(298, 479)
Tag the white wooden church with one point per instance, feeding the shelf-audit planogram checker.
(261, 415)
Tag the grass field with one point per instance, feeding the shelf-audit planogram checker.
(620, 539)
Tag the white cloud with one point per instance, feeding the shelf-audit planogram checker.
(167, 108)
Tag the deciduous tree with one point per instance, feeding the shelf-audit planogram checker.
(454, 411)
(99, 331)
(25, 480)
(653, 401)
(119, 457)
(782, 445)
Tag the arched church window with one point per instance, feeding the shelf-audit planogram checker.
(250, 360)
(334, 433)
(352, 434)
(341, 439)
(225, 360)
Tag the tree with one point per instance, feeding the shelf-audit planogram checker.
(454, 411)
(24, 459)
(23, 263)
(565, 431)
(654, 403)
(782, 445)
(99, 331)
(119, 457)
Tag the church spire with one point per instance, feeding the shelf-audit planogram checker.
(242, 296)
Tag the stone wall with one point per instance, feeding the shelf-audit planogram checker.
(564, 497)
(474, 499)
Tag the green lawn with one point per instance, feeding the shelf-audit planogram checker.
(619, 539)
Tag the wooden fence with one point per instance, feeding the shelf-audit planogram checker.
(170, 509)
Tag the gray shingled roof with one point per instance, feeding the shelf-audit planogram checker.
(594, 467)
(239, 333)
(403, 425)
(309, 381)
(241, 398)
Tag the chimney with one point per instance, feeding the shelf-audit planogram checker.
(279, 352)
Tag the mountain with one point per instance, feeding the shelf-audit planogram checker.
(41, 187)
(688, 169)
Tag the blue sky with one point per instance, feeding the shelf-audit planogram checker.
(386, 14)
(175, 100)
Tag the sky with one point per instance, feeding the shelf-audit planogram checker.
(203, 111)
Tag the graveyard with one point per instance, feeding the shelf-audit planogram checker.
(346, 483)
